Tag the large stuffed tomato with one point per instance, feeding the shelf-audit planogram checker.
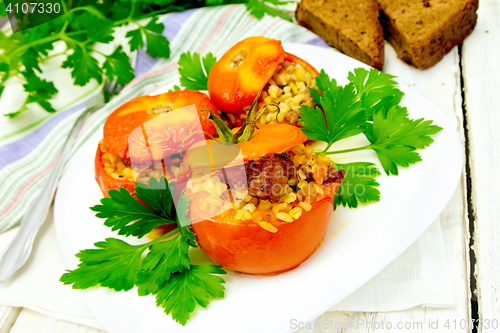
(260, 65)
(248, 248)
(268, 241)
(112, 161)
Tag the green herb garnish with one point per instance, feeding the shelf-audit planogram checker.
(368, 105)
(359, 184)
(259, 8)
(80, 29)
(166, 270)
(194, 70)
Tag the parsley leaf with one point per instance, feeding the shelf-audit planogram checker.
(395, 137)
(323, 83)
(163, 259)
(342, 112)
(368, 105)
(39, 91)
(84, 65)
(97, 27)
(136, 42)
(3, 11)
(183, 221)
(30, 60)
(193, 75)
(359, 184)
(130, 217)
(117, 67)
(259, 8)
(114, 264)
(176, 88)
(157, 45)
(376, 90)
(155, 26)
(158, 195)
(190, 287)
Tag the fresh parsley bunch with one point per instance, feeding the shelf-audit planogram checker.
(368, 104)
(166, 270)
(81, 28)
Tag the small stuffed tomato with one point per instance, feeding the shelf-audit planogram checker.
(284, 80)
(242, 72)
(112, 161)
(279, 211)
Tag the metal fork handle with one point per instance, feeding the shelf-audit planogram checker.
(20, 248)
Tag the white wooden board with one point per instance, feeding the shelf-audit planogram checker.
(8, 316)
(481, 71)
(441, 85)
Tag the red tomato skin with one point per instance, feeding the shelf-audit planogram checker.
(248, 248)
(105, 181)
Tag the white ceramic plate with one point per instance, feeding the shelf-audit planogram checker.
(359, 243)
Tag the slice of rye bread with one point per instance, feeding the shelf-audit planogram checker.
(351, 26)
(423, 31)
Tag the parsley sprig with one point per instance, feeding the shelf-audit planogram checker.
(368, 104)
(166, 270)
(81, 29)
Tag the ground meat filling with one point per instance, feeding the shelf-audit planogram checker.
(267, 176)
(332, 176)
(278, 187)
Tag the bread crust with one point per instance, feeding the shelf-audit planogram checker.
(364, 42)
(425, 48)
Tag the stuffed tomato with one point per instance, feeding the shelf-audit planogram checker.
(122, 137)
(275, 216)
(259, 64)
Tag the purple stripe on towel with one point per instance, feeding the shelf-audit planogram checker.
(18, 149)
(318, 42)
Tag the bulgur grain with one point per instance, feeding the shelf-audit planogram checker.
(295, 212)
(250, 207)
(305, 205)
(284, 217)
(267, 226)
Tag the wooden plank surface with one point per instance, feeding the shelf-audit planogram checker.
(481, 72)
(8, 316)
(31, 321)
(441, 85)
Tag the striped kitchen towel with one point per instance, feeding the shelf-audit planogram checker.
(30, 143)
